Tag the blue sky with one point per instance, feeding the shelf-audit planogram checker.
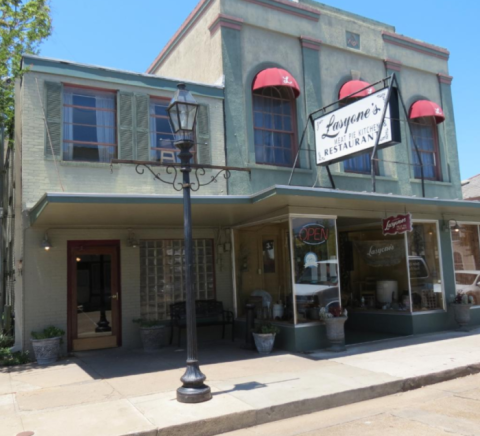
(129, 35)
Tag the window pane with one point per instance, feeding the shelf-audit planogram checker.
(316, 267)
(163, 125)
(258, 119)
(89, 120)
(425, 139)
(424, 264)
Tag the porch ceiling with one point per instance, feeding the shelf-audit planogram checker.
(70, 209)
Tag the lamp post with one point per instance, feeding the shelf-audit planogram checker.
(183, 112)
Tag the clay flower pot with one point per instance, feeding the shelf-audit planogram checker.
(462, 315)
(152, 337)
(264, 342)
(46, 351)
(336, 332)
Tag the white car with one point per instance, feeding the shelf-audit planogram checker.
(467, 281)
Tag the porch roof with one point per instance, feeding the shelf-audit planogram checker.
(80, 209)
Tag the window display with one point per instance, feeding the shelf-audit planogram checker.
(424, 264)
(317, 281)
(466, 255)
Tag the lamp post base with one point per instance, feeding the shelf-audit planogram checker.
(197, 394)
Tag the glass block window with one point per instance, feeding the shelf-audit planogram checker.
(162, 274)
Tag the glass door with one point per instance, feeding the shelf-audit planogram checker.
(94, 296)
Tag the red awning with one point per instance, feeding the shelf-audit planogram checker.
(276, 77)
(427, 108)
(353, 86)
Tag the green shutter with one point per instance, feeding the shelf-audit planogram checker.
(53, 113)
(204, 153)
(125, 126)
(142, 119)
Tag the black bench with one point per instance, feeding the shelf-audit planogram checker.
(208, 313)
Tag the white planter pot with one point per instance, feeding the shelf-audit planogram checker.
(46, 351)
(152, 337)
(264, 342)
(336, 333)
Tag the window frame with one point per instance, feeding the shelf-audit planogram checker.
(114, 93)
(152, 100)
(294, 132)
(435, 152)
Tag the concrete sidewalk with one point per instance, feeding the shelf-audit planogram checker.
(121, 392)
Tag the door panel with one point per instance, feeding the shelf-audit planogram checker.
(94, 295)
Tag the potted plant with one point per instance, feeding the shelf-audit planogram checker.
(334, 321)
(461, 306)
(264, 336)
(46, 344)
(151, 333)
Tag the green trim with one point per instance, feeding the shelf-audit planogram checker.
(278, 190)
(64, 68)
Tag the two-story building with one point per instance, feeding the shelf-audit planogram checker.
(98, 244)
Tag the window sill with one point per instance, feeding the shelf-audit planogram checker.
(67, 163)
(278, 168)
(364, 176)
(431, 182)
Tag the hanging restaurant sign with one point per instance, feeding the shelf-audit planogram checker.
(396, 225)
(313, 234)
(352, 130)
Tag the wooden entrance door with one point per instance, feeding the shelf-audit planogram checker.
(94, 299)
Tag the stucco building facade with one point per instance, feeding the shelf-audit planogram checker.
(281, 235)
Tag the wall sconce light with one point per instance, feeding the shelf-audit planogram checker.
(46, 245)
(456, 227)
(132, 240)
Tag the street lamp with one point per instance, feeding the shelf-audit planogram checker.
(183, 112)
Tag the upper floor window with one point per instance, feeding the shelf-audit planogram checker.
(274, 126)
(161, 135)
(274, 115)
(424, 132)
(89, 125)
(351, 92)
(425, 116)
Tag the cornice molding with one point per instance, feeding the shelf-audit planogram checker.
(228, 21)
(289, 7)
(445, 79)
(392, 64)
(187, 25)
(311, 43)
(413, 44)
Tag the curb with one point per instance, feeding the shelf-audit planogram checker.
(236, 421)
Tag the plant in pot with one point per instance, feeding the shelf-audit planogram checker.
(152, 333)
(334, 320)
(264, 336)
(46, 344)
(461, 306)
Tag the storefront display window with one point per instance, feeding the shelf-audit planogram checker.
(424, 267)
(373, 268)
(466, 255)
(317, 281)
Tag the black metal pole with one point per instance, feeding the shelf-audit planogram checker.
(194, 390)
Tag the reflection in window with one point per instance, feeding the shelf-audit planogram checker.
(161, 134)
(424, 264)
(425, 134)
(89, 126)
(274, 125)
(316, 267)
(466, 254)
